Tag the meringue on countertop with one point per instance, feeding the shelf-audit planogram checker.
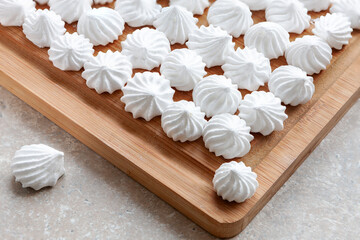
(234, 181)
(183, 68)
(350, 8)
(70, 10)
(228, 136)
(256, 5)
(194, 6)
(13, 12)
(263, 112)
(42, 1)
(316, 5)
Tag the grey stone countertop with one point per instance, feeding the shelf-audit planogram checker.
(95, 200)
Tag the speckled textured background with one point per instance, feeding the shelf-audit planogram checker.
(94, 200)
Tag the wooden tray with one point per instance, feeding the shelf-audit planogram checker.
(179, 173)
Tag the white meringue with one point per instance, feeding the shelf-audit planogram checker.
(212, 43)
(107, 72)
(146, 48)
(147, 95)
(102, 1)
(228, 136)
(234, 181)
(316, 5)
(263, 112)
(216, 94)
(269, 38)
(310, 53)
(183, 121)
(350, 8)
(335, 29)
(232, 16)
(291, 85)
(256, 5)
(43, 26)
(70, 10)
(247, 68)
(183, 68)
(194, 6)
(13, 12)
(38, 166)
(137, 13)
(70, 52)
(42, 1)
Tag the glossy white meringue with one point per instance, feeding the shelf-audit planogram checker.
(107, 72)
(43, 26)
(228, 136)
(334, 28)
(102, 1)
(216, 94)
(183, 121)
(70, 10)
(256, 5)
(13, 12)
(70, 52)
(291, 85)
(37, 166)
(212, 43)
(350, 8)
(146, 48)
(269, 38)
(263, 112)
(42, 2)
(310, 53)
(247, 68)
(194, 6)
(147, 95)
(234, 181)
(316, 5)
(137, 13)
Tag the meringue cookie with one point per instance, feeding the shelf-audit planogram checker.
(70, 10)
(43, 26)
(146, 48)
(263, 112)
(107, 72)
(102, 1)
(38, 166)
(183, 121)
(147, 95)
(256, 5)
(183, 68)
(101, 25)
(335, 29)
(291, 85)
(234, 181)
(137, 13)
(290, 14)
(269, 38)
(350, 8)
(317, 5)
(228, 136)
(212, 43)
(247, 68)
(232, 16)
(42, 2)
(194, 6)
(216, 94)
(310, 53)
(70, 52)
(13, 12)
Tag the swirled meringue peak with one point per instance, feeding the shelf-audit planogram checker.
(334, 28)
(234, 181)
(147, 95)
(177, 23)
(137, 13)
(194, 6)
(43, 26)
(263, 112)
(13, 12)
(291, 85)
(146, 48)
(107, 72)
(290, 14)
(350, 8)
(212, 43)
(228, 136)
(42, 2)
(70, 10)
(70, 52)
(247, 68)
(256, 5)
(316, 6)
(310, 53)
(183, 121)
(269, 38)
(233, 16)
(102, 1)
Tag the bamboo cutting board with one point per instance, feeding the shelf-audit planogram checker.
(179, 173)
